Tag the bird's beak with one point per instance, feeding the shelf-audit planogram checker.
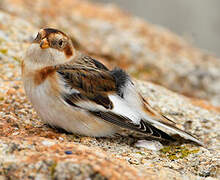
(44, 44)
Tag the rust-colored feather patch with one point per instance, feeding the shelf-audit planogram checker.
(42, 74)
(68, 51)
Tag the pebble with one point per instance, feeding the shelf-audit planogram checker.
(15, 133)
(61, 139)
(68, 152)
(150, 145)
(47, 143)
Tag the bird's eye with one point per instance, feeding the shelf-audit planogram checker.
(60, 43)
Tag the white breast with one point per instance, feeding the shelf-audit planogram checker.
(55, 112)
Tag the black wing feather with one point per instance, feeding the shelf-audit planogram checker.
(123, 122)
(121, 78)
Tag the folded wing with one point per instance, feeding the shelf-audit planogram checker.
(111, 96)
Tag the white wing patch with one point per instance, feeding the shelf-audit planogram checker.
(131, 96)
(121, 107)
(130, 105)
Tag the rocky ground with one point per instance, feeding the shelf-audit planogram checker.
(29, 149)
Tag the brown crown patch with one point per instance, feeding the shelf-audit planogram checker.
(53, 31)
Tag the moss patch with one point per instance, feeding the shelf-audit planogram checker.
(52, 170)
(17, 59)
(4, 51)
(177, 152)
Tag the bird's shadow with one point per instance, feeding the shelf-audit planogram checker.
(128, 137)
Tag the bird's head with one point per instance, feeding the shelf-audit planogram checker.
(50, 47)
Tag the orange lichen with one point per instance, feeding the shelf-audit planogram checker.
(204, 104)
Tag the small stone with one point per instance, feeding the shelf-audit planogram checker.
(61, 139)
(48, 143)
(68, 152)
(151, 145)
(15, 133)
(134, 161)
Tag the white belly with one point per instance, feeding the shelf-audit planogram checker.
(55, 112)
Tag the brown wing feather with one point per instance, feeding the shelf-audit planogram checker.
(92, 84)
(149, 110)
(88, 80)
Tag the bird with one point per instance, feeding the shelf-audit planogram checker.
(75, 92)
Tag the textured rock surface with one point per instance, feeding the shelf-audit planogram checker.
(158, 55)
(29, 149)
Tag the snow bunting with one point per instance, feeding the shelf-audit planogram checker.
(75, 92)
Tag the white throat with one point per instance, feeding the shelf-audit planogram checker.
(37, 57)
